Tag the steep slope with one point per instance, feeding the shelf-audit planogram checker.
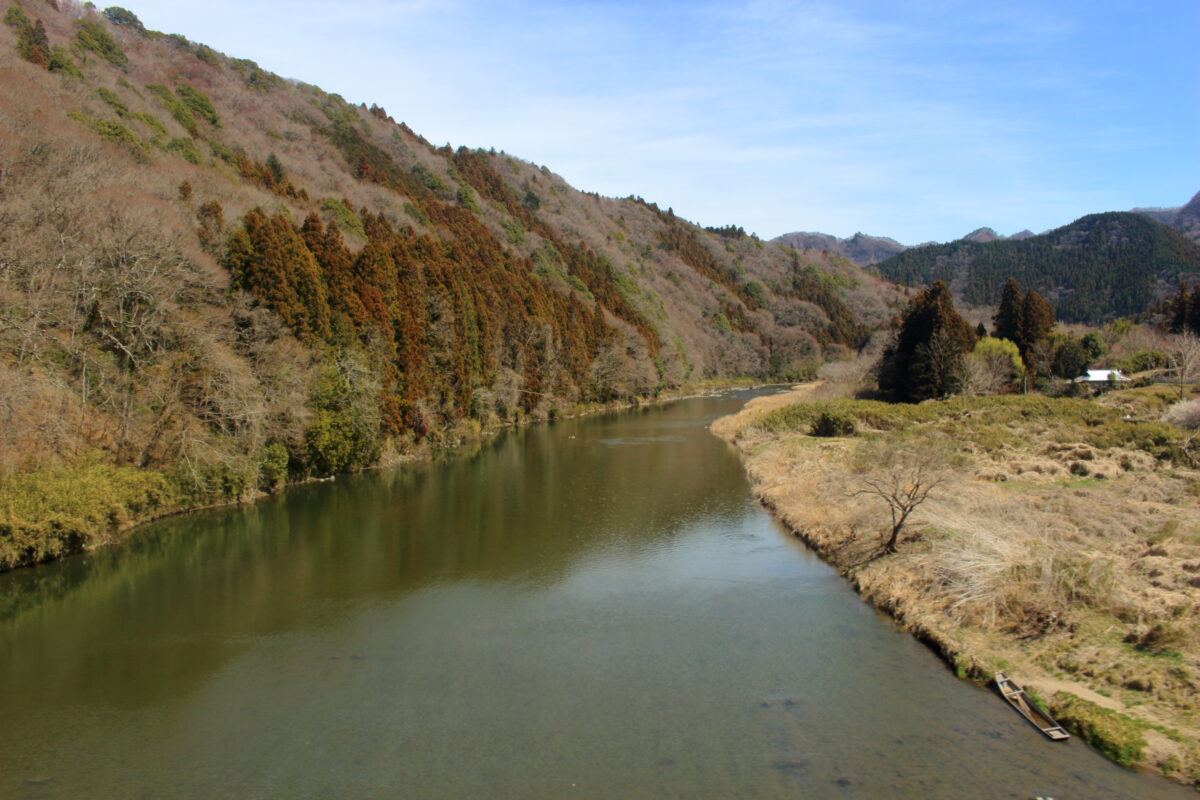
(1098, 267)
(221, 280)
(1185, 219)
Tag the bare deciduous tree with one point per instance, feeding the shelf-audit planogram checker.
(903, 479)
(1183, 350)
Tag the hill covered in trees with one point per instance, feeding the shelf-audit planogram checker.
(1098, 267)
(860, 249)
(214, 280)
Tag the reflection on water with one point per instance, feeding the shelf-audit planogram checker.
(594, 609)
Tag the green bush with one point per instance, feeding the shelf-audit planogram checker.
(513, 231)
(273, 467)
(179, 110)
(1143, 360)
(113, 101)
(52, 513)
(92, 36)
(110, 131)
(61, 61)
(198, 102)
(346, 217)
(158, 130)
(185, 149)
(829, 423)
(120, 16)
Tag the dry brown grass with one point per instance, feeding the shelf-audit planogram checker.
(1074, 567)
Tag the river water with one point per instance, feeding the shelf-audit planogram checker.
(590, 609)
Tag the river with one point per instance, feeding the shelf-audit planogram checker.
(594, 608)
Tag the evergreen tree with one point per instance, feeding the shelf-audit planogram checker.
(1037, 320)
(1194, 311)
(37, 48)
(1179, 310)
(1070, 359)
(925, 358)
(1093, 346)
(1006, 324)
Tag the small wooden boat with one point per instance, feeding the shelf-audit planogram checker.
(1016, 697)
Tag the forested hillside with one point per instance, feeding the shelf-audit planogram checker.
(214, 280)
(1098, 267)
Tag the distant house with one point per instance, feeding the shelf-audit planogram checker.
(1102, 377)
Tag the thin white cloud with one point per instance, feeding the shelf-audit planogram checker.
(918, 119)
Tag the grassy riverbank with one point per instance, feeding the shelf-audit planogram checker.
(62, 510)
(1060, 542)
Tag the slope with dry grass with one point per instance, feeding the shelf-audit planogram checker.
(232, 280)
(1060, 543)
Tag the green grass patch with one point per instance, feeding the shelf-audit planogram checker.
(1118, 736)
(994, 422)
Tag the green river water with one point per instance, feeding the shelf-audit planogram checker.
(590, 609)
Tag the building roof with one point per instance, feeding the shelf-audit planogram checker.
(1102, 376)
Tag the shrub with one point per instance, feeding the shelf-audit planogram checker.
(179, 110)
(120, 16)
(346, 217)
(428, 179)
(110, 131)
(198, 102)
(61, 61)
(514, 231)
(185, 149)
(1143, 360)
(52, 513)
(113, 101)
(92, 36)
(158, 130)
(830, 423)
(1184, 415)
(273, 467)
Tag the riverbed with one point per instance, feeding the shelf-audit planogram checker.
(595, 608)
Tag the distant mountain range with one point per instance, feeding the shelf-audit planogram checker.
(1099, 267)
(863, 249)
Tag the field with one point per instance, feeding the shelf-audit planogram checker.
(1056, 539)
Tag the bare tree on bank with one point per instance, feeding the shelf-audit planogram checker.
(903, 479)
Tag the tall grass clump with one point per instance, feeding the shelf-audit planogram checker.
(52, 513)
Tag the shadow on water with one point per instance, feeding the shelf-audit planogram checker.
(593, 608)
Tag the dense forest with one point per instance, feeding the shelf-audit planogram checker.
(1099, 267)
(214, 280)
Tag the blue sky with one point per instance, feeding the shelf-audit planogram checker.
(921, 120)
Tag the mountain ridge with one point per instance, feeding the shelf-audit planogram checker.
(1098, 267)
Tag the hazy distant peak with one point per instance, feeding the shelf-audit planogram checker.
(861, 248)
(982, 235)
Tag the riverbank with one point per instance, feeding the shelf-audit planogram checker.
(75, 508)
(1060, 542)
